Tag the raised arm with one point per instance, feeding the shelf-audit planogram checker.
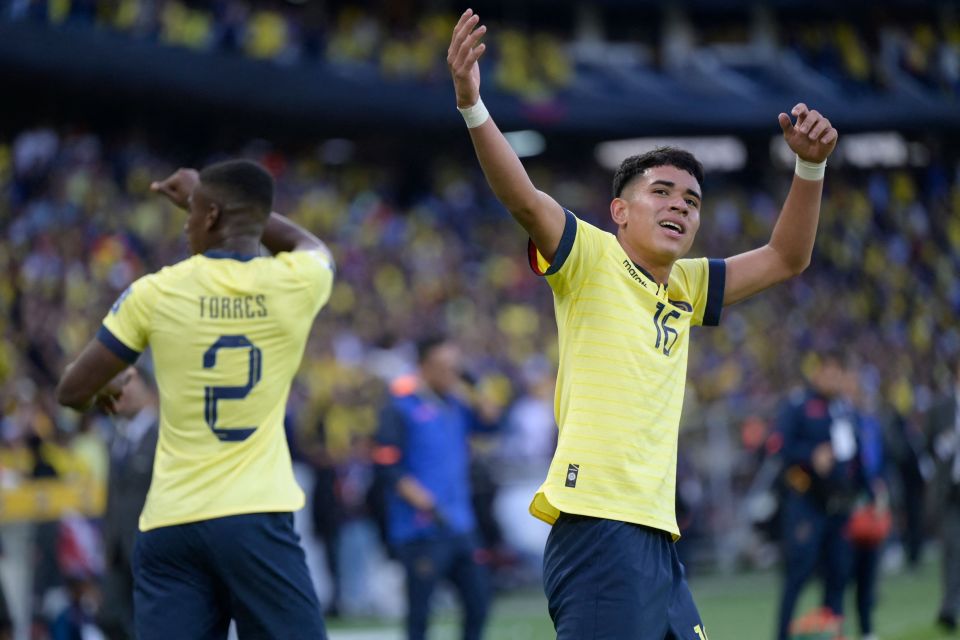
(788, 253)
(537, 213)
(279, 233)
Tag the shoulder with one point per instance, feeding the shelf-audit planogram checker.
(172, 273)
(687, 269)
(303, 262)
(589, 231)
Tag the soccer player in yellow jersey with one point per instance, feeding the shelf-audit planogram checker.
(624, 307)
(227, 329)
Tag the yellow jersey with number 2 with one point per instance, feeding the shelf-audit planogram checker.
(227, 333)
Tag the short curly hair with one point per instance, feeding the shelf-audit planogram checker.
(659, 157)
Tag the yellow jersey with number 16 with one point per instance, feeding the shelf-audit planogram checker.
(227, 333)
(623, 362)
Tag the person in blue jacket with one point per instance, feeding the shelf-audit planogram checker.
(423, 455)
(823, 476)
(866, 558)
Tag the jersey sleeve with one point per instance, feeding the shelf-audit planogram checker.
(316, 270)
(390, 444)
(703, 282)
(126, 328)
(579, 248)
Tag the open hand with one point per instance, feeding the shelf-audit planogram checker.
(462, 55)
(178, 186)
(823, 460)
(812, 137)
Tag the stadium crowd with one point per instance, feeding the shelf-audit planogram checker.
(422, 249)
(404, 42)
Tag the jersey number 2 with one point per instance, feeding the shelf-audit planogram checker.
(212, 394)
(665, 335)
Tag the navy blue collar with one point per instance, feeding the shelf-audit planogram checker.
(228, 255)
(649, 275)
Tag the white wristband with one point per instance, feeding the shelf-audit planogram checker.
(475, 115)
(810, 170)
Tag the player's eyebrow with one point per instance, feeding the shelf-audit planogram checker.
(671, 184)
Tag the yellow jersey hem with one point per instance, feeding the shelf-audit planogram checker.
(220, 514)
(544, 508)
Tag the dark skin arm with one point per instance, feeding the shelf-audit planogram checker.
(92, 379)
(279, 233)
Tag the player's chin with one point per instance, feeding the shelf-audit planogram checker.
(674, 249)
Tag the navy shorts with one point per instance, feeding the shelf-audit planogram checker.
(612, 580)
(191, 579)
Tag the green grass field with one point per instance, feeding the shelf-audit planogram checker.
(740, 607)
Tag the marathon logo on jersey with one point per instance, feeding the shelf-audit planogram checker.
(573, 471)
(634, 273)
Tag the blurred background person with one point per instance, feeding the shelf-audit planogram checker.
(943, 427)
(132, 451)
(822, 477)
(870, 522)
(423, 449)
(6, 621)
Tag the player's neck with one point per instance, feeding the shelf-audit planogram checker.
(243, 245)
(659, 272)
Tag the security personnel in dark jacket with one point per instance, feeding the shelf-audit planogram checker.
(823, 477)
(131, 468)
(423, 456)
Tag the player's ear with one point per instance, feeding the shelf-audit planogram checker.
(618, 210)
(212, 216)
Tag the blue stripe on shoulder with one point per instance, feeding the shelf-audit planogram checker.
(566, 243)
(716, 282)
(118, 349)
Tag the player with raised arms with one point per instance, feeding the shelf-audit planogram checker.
(624, 306)
(227, 329)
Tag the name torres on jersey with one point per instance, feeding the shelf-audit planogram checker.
(233, 307)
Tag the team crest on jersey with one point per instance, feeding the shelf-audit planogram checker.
(123, 296)
(573, 471)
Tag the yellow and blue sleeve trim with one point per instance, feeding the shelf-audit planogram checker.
(116, 347)
(716, 283)
(563, 249)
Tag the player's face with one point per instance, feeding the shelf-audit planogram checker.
(441, 368)
(660, 214)
(830, 378)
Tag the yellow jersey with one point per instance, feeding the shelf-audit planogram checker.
(227, 333)
(623, 362)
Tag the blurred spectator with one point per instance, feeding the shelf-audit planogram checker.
(823, 477)
(6, 622)
(326, 513)
(358, 547)
(869, 542)
(913, 466)
(131, 468)
(944, 429)
(423, 450)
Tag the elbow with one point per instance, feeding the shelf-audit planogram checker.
(792, 263)
(68, 395)
(70, 399)
(798, 266)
